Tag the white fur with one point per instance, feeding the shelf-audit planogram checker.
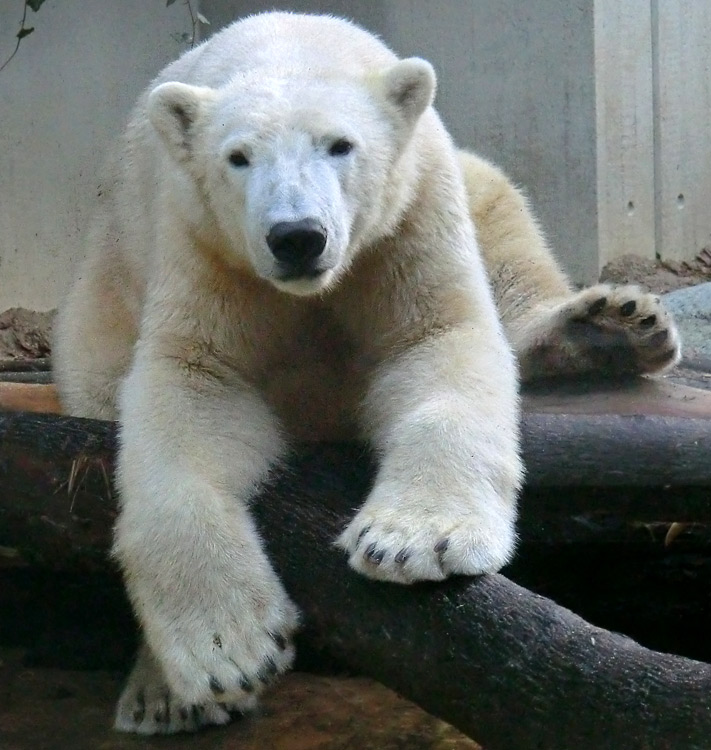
(180, 326)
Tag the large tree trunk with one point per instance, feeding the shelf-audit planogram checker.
(512, 669)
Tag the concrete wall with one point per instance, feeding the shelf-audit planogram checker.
(63, 98)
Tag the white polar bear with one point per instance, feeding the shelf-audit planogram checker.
(284, 252)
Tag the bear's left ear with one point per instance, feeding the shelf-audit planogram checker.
(410, 86)
(174, 110)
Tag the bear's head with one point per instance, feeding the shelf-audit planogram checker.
(297, 173)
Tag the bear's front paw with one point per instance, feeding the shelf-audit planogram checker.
(218, 641)
(148, 706)
(403, 541)
(621, 330)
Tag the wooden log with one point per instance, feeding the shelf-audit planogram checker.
(31, 396)
(511, 669)
(631, 397)
(27, 364)
(508, 667)
(44, 377)
(56, 497)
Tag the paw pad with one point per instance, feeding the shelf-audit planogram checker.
(657, 339)
(597, 307)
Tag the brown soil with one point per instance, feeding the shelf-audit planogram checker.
(50, 709)
(658, 275)
(25, 334)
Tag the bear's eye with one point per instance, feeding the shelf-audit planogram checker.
(238, 159)
(341, 147)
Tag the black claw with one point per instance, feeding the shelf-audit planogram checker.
(279, 640)
(628, 308)
(216, 640)
(373, 554)
(196, 711)
(649, 321)
(246, 685)
(183, 713)
(658, 338)
(215, 685)
(140, 713)
(267, 671)
(403, 556)
(597, 306)
(272, 668)
(362, 533)
(442, 546)
(234, 713)
(158, 716)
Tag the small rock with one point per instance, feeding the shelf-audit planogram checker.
(691, 308)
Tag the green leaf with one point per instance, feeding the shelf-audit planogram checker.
(35, 4)
(25, 31)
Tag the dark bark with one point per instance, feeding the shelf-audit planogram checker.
(56, 501)
(510, 668)
(41, 364)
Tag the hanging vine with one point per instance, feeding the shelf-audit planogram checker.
(34, 6)
(190, 38)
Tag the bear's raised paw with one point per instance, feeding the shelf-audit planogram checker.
(605, 330)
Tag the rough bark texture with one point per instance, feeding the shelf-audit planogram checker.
(506, 666)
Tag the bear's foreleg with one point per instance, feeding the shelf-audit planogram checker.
(443, 417)
(215, 617)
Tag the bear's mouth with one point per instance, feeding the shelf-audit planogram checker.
(303, 282)
(290, 273)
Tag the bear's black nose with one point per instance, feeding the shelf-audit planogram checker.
(297, 244)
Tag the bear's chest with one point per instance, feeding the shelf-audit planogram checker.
(312, 374)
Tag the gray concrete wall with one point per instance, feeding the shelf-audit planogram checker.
(63, 98)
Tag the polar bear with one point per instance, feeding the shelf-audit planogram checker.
(284, 252)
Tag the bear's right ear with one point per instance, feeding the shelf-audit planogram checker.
(174, 109)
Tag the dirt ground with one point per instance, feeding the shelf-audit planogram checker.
(25, 334)
(656, 275)
(58, 709)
